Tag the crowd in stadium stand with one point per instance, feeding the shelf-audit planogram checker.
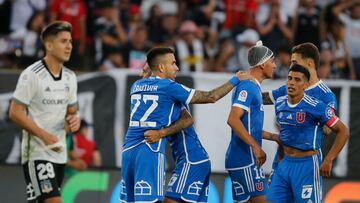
(208, 35)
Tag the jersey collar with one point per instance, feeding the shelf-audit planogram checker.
(314, 85)
(55, 78)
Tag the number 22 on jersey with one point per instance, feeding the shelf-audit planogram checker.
(138, 99)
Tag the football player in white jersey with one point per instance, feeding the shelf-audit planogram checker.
(44, 102)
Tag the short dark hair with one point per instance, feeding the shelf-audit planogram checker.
(300, 69)
(54, 28)
(308, 50)
(154, 54)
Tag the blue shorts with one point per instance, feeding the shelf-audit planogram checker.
(297, 179)
(143, 175)
(248, 182)
(189, 182)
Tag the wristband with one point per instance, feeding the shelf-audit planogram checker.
(234, 81)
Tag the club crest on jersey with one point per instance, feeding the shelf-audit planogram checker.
(300, 117)
(259, 186)
(243, 95)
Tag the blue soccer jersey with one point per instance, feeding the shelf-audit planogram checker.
(319, 90)
(190, 178)
(152, 105)
(186, 144)
(299, 123)
(247, 95)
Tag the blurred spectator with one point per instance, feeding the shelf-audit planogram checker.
(282, 60)
(307, 21)
(110, 32)
(198, 11)
(234, 54)
(240, 13)
(134, 51)
(31, 48)
(324, 70)
(85, 148)
(5, 10)
(341, 63)
(352, 29)
(74, 164)
(22, 10)
(166, 33)
(274, 25)
(134, 19)
(289, 7)
(113, 60)
(190, 51)
(74, 12)
(327, 18)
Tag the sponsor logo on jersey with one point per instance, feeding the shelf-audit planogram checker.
(243, 95)
(306, 191)
(289, 117)
(300, 117)
(55, 101)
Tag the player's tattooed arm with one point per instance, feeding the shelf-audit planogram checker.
(266, 98)
(184, 121)
(201, 97)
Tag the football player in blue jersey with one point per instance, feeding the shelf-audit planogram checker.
(298, 176)
(190, 179)
(307, 55)
(244, 156)
(155, 101)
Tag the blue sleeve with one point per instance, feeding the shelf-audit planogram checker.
(330, 100)
(244, 95)
(326, 114)
(180, 92)
(275, 94)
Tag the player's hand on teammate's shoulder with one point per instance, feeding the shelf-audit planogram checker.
(152, 136)
(244, 75)
(325, 168)
(260, 156)
(73, 122)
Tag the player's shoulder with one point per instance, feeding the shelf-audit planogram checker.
(35, 69)
(68, 71)
(323, 88)
(312, 101)
(247, 84)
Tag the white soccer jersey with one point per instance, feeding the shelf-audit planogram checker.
(47, 99)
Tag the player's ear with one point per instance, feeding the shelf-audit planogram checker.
(161, 68)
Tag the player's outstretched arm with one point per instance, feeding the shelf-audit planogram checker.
(266, 98)
(203, 97)
(19, 116)
(236, 125)
(270, 136)
(342, 135)
(185, 120)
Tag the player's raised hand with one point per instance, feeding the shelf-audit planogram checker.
(244, 75)
(146, 71)
(260, 156)
(152, 136)
(325, 168)
(73, 121)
